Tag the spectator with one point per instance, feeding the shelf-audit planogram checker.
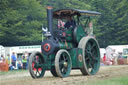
(11, 67)
(24, 60)
(19, 58)
(120, 59)
(19, 65)
(120, 55)
(27, 61)
(115, 57)
(13, 57)
(104, 57)
(8, 58)
(1, 58)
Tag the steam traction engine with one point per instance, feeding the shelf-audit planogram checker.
(65, 49)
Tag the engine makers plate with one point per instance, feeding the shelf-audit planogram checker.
(80, 58)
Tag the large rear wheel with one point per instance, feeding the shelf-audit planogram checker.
(53, 71)
(63, 63)
(91, 55)
(36, 67)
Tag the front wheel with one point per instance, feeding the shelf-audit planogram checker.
(36, 67)
(63, 63)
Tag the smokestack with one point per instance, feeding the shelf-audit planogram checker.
(49, 18)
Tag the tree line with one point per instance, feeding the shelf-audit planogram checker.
(21, 20)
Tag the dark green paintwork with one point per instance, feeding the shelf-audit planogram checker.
(69, 34)
(49, 61)
(74, 53)
(79, 33)
(65, 45)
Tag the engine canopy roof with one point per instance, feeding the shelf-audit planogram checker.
(63, 13)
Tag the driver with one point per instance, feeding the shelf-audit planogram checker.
(60, 23)
(70, 23)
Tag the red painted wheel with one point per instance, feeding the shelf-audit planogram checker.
(36, 62)
(33, 64)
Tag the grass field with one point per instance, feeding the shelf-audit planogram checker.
(12, 72)
(123, 80)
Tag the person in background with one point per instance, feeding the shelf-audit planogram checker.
(115, 57)
(24, 60)
(11, 67)
(27, 61)
(8, 59)
(13, 59)
(120, 59)
(19, 58)
(104, 57)
(120, 55)
(19, 65)
(1, 57)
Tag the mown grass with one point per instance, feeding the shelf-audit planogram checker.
(12, 72)
(123, 80)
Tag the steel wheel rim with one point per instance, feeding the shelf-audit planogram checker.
(92, 56)
(64, 64)
(37, 66)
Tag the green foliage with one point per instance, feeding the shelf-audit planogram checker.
(112, 25)
(21, 20)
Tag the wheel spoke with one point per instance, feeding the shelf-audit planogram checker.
(36, 72)
(64, 71)
(87, 52)
(94, 55)
(90, 65)
(87, 58)
(93, 45)
(61, 62)
(93, 51)
(65, 57)
(89, 46)
(96, 58)
(93, 70)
